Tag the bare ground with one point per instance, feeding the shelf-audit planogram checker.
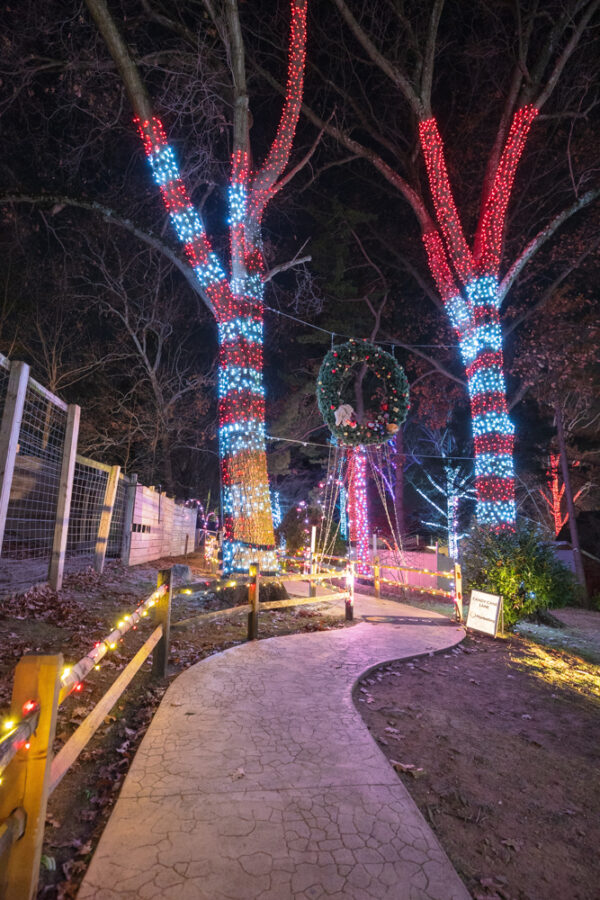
(498, 743)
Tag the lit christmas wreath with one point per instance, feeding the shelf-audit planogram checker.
(390, 395)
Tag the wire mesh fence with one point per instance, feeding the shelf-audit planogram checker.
(87, 501)
(35, 448)
(31, 515)
(117, 523)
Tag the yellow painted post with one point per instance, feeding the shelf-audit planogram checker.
(160, 657)
(376, 576)
(27, 778)
(253, 589)
(458, 596)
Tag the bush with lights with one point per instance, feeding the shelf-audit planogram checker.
(388, 403)
(521, 566)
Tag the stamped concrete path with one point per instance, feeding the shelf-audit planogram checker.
(257, 778)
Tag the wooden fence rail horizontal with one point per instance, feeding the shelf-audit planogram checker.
(31, 773)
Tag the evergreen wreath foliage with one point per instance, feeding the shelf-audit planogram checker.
(333, 384)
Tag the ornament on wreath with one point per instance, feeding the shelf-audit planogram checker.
(344, 415)
(389, 402)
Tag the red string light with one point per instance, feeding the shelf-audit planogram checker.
(488, 242)
(358, 515)
(472, 307)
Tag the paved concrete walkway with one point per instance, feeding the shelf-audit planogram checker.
(258, 779)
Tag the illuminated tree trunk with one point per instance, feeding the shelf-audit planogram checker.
(237, 301)
(247, 521)
(557, 491)
(452, 501)
(564, 462)
(358, 510)
(468, 284)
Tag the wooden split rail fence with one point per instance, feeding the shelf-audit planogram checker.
(28, 770)
(353, 569)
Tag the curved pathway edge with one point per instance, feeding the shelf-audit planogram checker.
(258, 779)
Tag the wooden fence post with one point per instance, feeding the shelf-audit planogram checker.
(376, 576)
(160, 658)
(37, 678)
(63, 507)
(350, 600)
(458, 596)
(128, 519)
(253, 590)
(106, 517)
(9, 434)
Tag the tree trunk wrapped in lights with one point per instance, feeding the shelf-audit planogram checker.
(468, 284)
(358, 514)
(236, 301)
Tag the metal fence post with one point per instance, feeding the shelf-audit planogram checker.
(63, 507)
(253, 591)
(37, 679)
(160, 656)
(106, 517)
(128, 519)
(376, 576)
(458, 596)
(9, 434)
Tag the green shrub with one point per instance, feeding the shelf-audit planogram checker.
(519, 565)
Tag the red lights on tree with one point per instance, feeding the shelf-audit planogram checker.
(358, 515)
(467, 282)
(554, 497)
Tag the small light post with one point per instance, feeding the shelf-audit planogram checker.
(253, 589)
(350, 598)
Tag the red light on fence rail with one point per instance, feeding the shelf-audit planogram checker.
(79, 686)
(29, 707)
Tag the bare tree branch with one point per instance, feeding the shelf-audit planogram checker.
(392, 72)
(548, 293)
(113, 217)
(541, 238)
(568, 51)
(430, 359)
(138, 96)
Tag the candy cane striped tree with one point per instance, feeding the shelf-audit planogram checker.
(236, 299)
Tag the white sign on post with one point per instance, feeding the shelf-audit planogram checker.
(484, 612)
